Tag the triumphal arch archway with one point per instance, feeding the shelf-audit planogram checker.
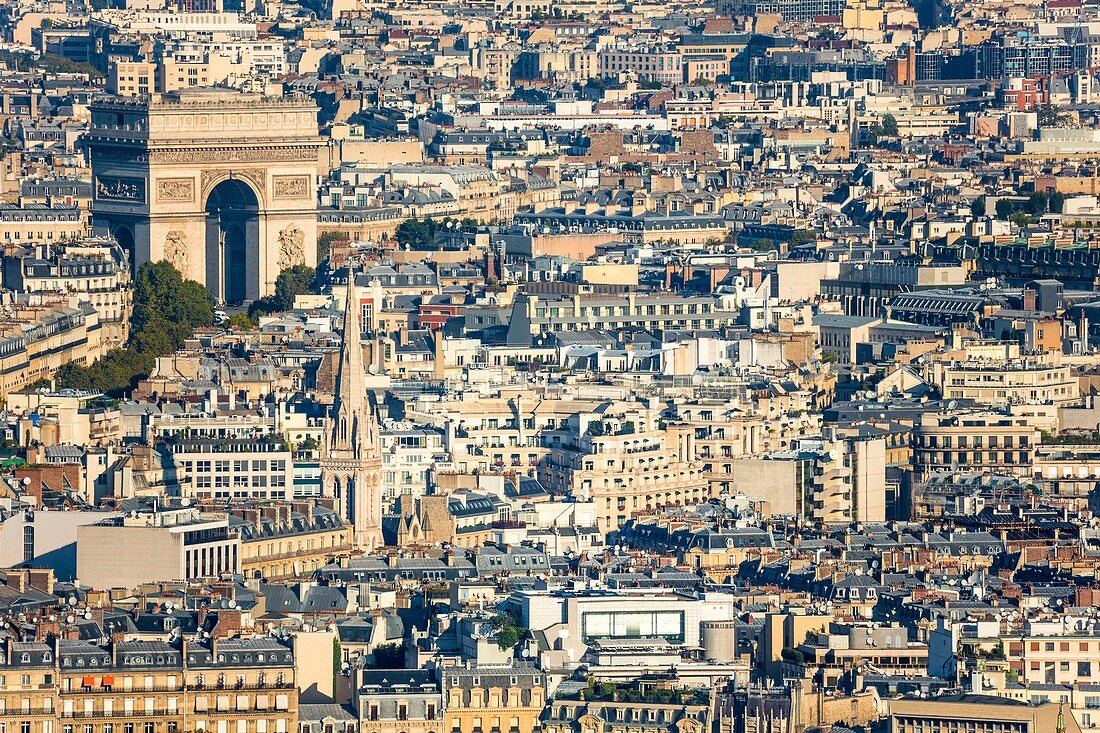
(220, 183)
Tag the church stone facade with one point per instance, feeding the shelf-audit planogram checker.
(220, 183)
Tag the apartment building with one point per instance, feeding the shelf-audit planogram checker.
(399, 701)
(979, 441)
(652, 63)
(287, 540)
(673, 717)
(28, 687)
(408, 455)
(131, 78)
(726, 432)
(175, 543)
(92, 270)
(998, 383)
(854, 339)
(829, 480)
(260, 467)
(492, 433)
(1067, 470)
(493, 698)
(534, 315)
(161, 687)
(1049, 653)
(39, 339)
(232, 63)
(624, 463)
(976, 714)
(578, 619)
(27, 223)
(148, 686)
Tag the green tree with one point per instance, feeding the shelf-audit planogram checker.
(1057, 201)
(61, 65)
(802, 236)
(415, 234)
(388, 656)
(1005, 207)
(977, 207)
(241, 322)
(1050, 116)
(290, 283)
(1037, 204)
(164, 300)
(325, 240)
(167, 310)
(509, 631)
(889, 125)
(874, 132)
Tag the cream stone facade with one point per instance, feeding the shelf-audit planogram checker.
(220, 183)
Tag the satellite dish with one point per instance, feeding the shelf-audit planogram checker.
(952, 405)
(26, 480)
(185, 501)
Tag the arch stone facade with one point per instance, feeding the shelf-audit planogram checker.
(157, 160)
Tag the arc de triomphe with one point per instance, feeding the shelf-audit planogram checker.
(220, 183)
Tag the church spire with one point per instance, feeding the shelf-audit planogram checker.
(352, 459)
(352, 407)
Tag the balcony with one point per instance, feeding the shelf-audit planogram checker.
(113, 689)
(28, 712)
(285, 685)
(101, 714)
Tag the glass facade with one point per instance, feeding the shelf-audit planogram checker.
(633, 625)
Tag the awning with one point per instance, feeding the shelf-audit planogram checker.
(108, 680)
(89, 682)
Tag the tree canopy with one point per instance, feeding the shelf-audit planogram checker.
(419, 234)
(325, 241)
(167, 310)
(889, 125)
(290, 283)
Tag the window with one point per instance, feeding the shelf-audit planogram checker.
(28, 542)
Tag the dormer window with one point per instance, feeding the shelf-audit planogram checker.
(47, 657)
